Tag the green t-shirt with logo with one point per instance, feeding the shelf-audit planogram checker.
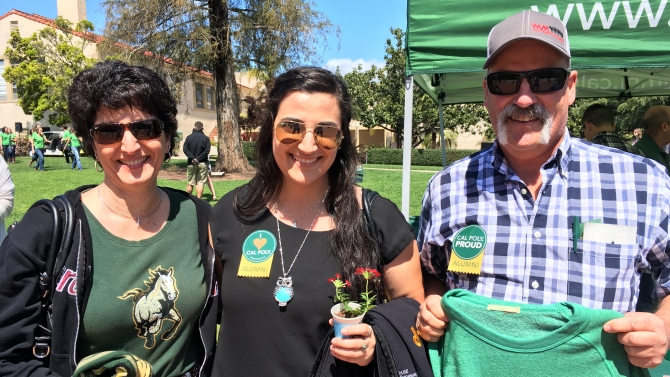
(13, 138)
(5, 138)
(491, 337)
(38, 140)
(136, 282)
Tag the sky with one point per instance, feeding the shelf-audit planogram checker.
(364, 26)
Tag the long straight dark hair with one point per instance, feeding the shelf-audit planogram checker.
(350, 242)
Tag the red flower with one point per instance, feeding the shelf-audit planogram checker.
(330, 280)
(347, 283)
(338, 276)
(360, 271)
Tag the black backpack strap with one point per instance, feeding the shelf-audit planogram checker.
(61, 242)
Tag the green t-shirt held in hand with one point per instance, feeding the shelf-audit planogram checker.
(490, 337)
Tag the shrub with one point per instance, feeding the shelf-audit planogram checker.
(420, 157)
(248, 147)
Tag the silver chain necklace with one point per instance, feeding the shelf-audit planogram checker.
(283, 292)
(295, 221)
(160, 200)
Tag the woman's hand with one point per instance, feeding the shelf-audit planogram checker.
(360, 349)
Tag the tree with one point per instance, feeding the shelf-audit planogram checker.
(44, 65)
(217, 36)
(378, 99)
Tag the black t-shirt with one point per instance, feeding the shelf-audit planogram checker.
(259, 338)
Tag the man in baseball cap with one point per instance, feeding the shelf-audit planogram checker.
(531, 202)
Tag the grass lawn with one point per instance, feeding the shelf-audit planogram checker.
(58, 178)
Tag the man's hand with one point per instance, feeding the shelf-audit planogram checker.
(432, 321)
(195, 161)
(643, 336)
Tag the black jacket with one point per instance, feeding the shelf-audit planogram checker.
(399, 352)
(197, 145)
(22, 258)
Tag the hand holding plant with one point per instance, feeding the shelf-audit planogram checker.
(367, 298)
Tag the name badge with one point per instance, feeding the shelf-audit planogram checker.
(257, 253)
(467, 250)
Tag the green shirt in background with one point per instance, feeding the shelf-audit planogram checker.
(66, 137)
(135, 280)
(13, 138)
(648, 146)
(38, 140)
(487, 337)
(5, 138)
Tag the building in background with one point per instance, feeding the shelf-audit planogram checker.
(196, 102)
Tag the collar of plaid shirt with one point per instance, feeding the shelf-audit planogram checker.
(530, 256)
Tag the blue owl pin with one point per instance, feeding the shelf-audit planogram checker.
(284, 291)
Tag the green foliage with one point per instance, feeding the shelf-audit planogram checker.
(420, 157)
(248, 147)
(378, 99)
(44, 65)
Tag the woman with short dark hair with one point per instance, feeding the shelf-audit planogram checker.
(138, 277)
(303, 211)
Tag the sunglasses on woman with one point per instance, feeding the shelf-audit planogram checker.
(110, 133)
(541, 81)
(289, 132)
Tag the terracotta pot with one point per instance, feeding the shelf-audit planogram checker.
(340, 322)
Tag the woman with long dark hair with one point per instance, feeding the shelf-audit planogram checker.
(297, 223)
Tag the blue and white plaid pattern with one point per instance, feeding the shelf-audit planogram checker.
(529, 255)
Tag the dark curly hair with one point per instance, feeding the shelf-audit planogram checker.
(350, 242)
(114, 84)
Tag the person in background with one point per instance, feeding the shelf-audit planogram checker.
(139, 279)
(6, 197)
(66, 145)
(637, 135)
(38, 147)
(656, 135)
(196, 149)
(598, 126)
(31, 146)
(73, 144)
(528, 196)
(210, 184)
(6, 136)
(303, 207)
(12, 142)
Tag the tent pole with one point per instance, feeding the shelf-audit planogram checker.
(407, 145)
(444, 151)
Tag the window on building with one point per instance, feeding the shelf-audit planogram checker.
(204, 96)
(13, 25)
(3, 83)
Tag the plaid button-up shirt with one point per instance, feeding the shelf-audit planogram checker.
(610, 139)
(529, 256)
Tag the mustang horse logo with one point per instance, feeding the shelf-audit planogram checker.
(155, 305)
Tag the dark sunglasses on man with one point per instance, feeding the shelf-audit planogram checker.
(289, 132)
(545, 80)
(110, 133)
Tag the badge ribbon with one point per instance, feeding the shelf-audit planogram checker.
(257, 254)
(467, 251)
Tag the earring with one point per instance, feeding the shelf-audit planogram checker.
(96, 167)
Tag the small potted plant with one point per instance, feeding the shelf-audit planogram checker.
(347, 312)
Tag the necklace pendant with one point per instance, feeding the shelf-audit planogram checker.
(283, 292)
(295, 225)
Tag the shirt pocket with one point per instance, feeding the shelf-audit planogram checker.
(603, 275)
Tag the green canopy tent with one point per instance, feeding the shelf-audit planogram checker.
(619, 48)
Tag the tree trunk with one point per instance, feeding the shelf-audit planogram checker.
(231, 158)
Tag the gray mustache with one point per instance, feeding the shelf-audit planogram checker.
(533, 111)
